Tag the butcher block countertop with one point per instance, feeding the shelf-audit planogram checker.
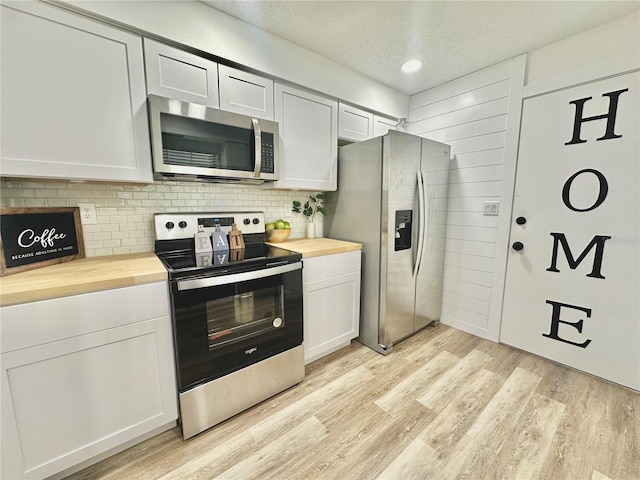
(81, 276)
(315, 247)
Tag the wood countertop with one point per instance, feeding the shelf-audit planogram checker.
(81, 276)
(315, 247)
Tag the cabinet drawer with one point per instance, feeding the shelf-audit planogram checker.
(328, 266)
(46, 321)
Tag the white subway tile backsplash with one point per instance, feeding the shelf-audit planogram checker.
(125, 212)
(32, 203)
(46, 193)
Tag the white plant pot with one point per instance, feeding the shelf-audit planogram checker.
(311, 230)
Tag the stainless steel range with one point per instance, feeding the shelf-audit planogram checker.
(237, 316)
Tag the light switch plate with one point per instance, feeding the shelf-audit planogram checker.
(491, 208)
(286, 211)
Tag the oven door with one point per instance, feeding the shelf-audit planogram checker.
(225, 323)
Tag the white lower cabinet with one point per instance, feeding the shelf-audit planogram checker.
(84, 375)
(331, 303)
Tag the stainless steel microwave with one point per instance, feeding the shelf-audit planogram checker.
(194, 142)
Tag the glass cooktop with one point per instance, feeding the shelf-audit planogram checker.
(254, 256)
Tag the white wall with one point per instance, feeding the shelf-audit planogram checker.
(479, 116)
(608, 42)
(199, 26)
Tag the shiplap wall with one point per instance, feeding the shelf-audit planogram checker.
(472, 115)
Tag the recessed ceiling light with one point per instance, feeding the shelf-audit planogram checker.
(411, 66)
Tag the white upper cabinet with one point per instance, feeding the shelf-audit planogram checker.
(354, 124)
(73, 97)
(308, 139)
(245, 93)
(174, 73)
(382, 125)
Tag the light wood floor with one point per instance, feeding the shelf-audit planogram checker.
(443, 404)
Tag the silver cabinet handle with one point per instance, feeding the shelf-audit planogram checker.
(237, 277)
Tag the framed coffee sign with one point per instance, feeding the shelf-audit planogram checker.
(37, 237)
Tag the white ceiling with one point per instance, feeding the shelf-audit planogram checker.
(452, 38)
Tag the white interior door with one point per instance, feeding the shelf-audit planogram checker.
(572, 288)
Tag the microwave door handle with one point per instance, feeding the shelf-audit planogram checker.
(257, 134)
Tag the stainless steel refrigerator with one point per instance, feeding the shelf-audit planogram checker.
(392, 198)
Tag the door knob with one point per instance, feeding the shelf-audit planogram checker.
(521, 220)
(517, 246)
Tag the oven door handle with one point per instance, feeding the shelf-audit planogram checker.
(237, 277)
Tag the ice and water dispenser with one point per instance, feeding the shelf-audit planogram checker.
(403, 229)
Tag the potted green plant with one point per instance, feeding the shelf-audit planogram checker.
(314, 205)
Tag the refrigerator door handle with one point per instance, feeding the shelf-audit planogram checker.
(422, 219)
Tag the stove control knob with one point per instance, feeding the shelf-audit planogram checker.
(169, 225)
(256, 221)
(277, 322)
(182, 224)
(246, 221)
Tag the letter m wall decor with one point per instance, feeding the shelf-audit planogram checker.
(572, 285)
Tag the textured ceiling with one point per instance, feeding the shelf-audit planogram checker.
(452, 38)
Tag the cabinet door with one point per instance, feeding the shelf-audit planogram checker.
(331, 314)
(83, 375)
(331, 302)
(245, 93)
(177, 74)
(67, 401)
(382, 125)
(308, 140)
(73, 97)
(354, 124)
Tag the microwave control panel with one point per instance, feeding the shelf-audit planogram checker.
(267, 153)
